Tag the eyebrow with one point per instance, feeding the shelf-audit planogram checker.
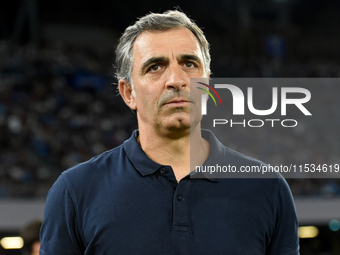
(182, 57)
(190, 57)
(153, 60)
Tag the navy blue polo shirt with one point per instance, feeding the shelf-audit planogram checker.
(122, 202)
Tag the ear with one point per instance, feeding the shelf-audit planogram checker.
(125, 90)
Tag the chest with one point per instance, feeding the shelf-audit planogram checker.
(158, 218)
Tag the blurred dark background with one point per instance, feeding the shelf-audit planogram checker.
(59, 105)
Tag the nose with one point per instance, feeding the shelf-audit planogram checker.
(176, 78)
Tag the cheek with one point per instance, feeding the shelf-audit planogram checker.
(144, 100)
(148, 94)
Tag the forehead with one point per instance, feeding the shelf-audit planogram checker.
(165, 43)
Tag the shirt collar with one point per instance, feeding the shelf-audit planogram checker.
(216, 152)
(146, 166)
(137, 156)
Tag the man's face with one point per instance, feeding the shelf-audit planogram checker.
(163, 64)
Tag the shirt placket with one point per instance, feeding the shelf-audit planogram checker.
(181, 228)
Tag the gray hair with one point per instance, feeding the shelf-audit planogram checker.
(155, 22)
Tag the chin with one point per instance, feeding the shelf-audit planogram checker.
(176, 125)
(181, 127)
(179, 122)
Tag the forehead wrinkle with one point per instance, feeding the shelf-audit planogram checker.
(144, 39)
(173, 54)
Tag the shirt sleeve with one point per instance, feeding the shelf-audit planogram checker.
(285, 239)
(59, 233)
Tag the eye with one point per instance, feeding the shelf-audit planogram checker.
(154, 68)
(189, 64)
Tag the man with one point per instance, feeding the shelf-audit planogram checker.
(139, 198)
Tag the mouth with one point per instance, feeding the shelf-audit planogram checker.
(178, 102)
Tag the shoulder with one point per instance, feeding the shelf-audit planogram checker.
(237, 157)
(90, 174)
(257, 180)
(251, 172)
(221, 154)
(96, 165)
(259, 172)
(82, 183)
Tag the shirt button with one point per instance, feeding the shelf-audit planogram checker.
(163, 171)
(179, 198)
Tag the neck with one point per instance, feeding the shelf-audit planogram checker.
(182, 152)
